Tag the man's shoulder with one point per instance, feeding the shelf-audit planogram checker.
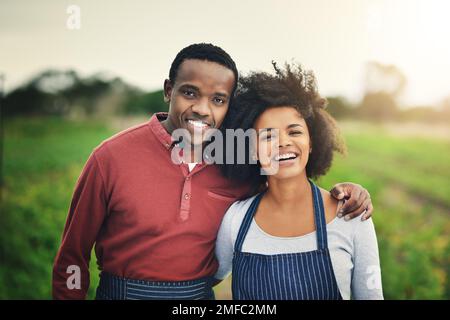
(124, 138)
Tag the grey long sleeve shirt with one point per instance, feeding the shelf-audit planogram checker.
(352, 244)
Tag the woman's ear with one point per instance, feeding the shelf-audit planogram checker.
(167, 90)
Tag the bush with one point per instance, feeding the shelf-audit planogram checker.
(148, 103)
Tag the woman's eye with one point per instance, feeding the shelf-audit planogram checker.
(219, 100)
(296, 133)
(266, 138)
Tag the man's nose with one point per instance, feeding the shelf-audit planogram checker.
(202, 107)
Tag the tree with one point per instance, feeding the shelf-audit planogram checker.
(56, 92)
(140, 102)
(378, 106)
(65, 93)
(339, 107)
(384, 85)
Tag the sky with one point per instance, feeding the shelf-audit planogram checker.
(137, 40)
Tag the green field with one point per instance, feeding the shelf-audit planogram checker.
(408, 178)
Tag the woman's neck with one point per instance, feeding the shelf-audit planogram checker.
(287, 195)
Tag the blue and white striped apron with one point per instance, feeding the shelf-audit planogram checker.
(290, 276)
(115, 288)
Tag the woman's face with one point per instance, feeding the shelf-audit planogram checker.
(283, 142)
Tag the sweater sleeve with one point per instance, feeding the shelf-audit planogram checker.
(366, 277)
(86, 214)
(225, 245)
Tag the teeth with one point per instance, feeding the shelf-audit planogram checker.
(285, 156)
(198, 124)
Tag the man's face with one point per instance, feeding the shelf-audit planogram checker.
(199, 97)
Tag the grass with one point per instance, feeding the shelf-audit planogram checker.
(408, 178)
(43, 159)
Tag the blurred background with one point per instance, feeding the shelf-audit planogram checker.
(73, 73)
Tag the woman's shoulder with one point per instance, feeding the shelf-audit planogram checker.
(331, 204)
(236, 212)
(244, 202)
(234, 217)
(332, 207)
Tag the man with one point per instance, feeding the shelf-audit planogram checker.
(154, 222)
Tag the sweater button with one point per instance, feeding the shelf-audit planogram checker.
(187, 196)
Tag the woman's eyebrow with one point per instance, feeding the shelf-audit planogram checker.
(221, 94)
(294, 125)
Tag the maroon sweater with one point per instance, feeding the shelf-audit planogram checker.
(149, 219)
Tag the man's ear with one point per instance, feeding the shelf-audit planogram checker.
(167, 90)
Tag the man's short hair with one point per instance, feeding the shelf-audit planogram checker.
(203, 51)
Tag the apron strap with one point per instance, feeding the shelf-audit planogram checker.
(319, 217)
(247, 222)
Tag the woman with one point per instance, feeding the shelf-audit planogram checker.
(285, 241)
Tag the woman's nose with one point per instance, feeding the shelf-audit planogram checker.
(284, 140)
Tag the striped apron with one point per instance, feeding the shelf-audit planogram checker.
(115, 288)
(290, 276)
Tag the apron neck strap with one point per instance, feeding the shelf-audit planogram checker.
(319, 219)
(247, 222)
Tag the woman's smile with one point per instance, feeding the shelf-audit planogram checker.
(286, 159)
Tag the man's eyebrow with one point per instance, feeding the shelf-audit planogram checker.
(194, 88)
(189, 86)
(294, 125)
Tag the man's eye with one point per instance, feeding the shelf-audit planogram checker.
(189, 93)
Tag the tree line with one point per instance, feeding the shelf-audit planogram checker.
(66, 93)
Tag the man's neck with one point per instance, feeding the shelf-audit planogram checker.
(195, 155)
(167, 124)
(195, 152)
